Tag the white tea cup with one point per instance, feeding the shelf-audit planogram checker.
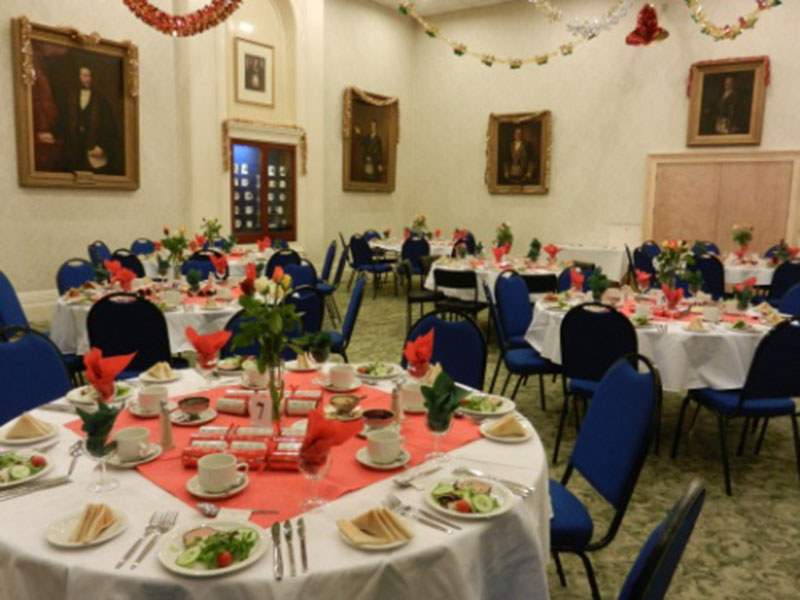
(341, 376)
(411, 396)
(219, 472)
(712, 314)
(642, 310)
(150, 398)
(384, 445)
(133, 443)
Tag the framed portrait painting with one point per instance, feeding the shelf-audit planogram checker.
(255, 73)
(726, 102)
(77, 108)
(371, 133)
(518, 153)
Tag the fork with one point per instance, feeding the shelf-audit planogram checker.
(166, 523)
(152, 527)
(393, 500)
(407, 480)
(407, 511)
(75, 451)
(517, 488)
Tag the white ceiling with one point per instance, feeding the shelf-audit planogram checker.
(436, 7)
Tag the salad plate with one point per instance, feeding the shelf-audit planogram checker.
(195, 489)
(402, 460)
(26, 441)
(153, 453)
(60, 531)
(469, 498)
(86, 394)
(229, 366)
(483, 405)
(217, 548)
(377, 370)
(22, 467)
(741, 327)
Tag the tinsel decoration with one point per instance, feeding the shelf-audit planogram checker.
(647, 28)
(544, 7)
(203, 19)
(728, 32)
(588, 29)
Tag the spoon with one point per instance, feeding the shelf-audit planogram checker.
(210, 509)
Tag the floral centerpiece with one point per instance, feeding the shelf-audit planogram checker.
(743, 293)
(783, 253)
(211, 230)
(742, 235)
(419, 225)
(269, 323)
(175, 244)
(598, 283)
(504, 238)
(673, 264)
(534, 250)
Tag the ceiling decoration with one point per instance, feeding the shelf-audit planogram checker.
(728, 32)
(198, 21)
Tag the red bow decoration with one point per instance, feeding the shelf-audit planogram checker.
(101, 372)
(643, 278)
(220, 264)
(747, 284)
(647, 29)
(264, 244)
(207, 346)
(576, 277)
(323, 434)
(125, 277)
(672, 296)
(406, 234)
(499, 253)
(112, 266)
(552, 250)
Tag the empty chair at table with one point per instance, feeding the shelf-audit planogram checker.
(770, 388)
(129, 261)
(419, 297)
(341, 339)
(643, 261)
(609, 453)
(593, 337)
(201, 261)
(310, 305)
(713, 272)
(651, 574)
(790, 303)
(327, 265)
(458, 345)
(234, 325)
(467, 239)
(513, 308)
(303, 274)
(281, 258)
(540, 283)
(143, 245)
(364, 262)
(786, 275)
(413, 250)
(32, 371)
(329, 289)
(458, 290)
(652, 248)
(565, 277)
(98, 252)
(73, 273)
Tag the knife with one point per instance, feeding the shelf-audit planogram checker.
(277, 558)
(34, 487)
(301, 533)
(287, 533)
(428, 522)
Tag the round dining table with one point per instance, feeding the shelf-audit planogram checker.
(613, 260)
(437, 247)
(237, 262)
(503, 557)
(762, 271)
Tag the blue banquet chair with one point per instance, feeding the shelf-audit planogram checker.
(651, 248)
(327, 264)
(786, 275)
(98, 252)
(201, 261)
(234, 325)
(310, 304)
(565, 279)
(413, 249)
(302, 274)
(341, 339)
(142, 246)
(73, 273)
(701, 247)
(790, 303)
(129, 260)
(512, 301)
(468, 239)
(329, 289)
(713, 275)
(364, 262)
(281, 258)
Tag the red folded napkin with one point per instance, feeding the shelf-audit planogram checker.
(125, 277)
(437, 233)
(643, 278)
(157, 246)
(220, 264)
(264, 243)
(419, 350)
(323, 434)
(250, 271)
(207, 346)
(499, 253)
(200, 240)
(101, 372)
(406, 234)
(112, 266)
(552, 250)
(672, 296)
(742, 252)
(576, 277)
(506, 248)
(748, 284)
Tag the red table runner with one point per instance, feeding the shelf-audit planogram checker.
(283, 490)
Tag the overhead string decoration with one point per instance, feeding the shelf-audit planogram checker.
(728, 32)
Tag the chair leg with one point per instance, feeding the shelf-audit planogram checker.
(796, 431)
(374, 285)
(559, 569)
(761, 436)
(408, 317)
(352, 278)
(657, 448)
(561, 421)
(742, 437)
(541, 393)
(344, 356)
(694, 417)
(680, 426)
(723, 440)
(587, 564)
(505, 385)
(496, 373)
(516, 388)
(577, 413)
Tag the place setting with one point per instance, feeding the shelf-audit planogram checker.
(340, 378)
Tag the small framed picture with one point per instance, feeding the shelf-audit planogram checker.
(255, 73)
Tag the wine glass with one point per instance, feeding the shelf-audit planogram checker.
(100, 455)
(438, 424)
(205, 366)
(314, 468)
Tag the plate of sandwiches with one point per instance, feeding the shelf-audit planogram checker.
(95, 524)
(27, 429)
(376, 530)
(302, 364)
(510, 429)
(161, 372)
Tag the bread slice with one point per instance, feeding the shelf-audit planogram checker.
(95, 519)
(357, 536)
(28, 426)
(508, 426)
(371, 523)
(398, 525)
(160, 370)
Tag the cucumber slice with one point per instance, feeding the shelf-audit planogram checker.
(190, 555)
(488, 406)
(443, 489)
(19, 472)
(247, 535)
(482, 503)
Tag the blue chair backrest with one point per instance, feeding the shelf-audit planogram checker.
(700, 247)
(282, 258)
(202, 264)
(301, 275)
(790, 302)
(353, 308)
(495, 317)
(513, 305)
(98, 252)
(776, 364)
(643, 261)
(11, 313)
(468, 240)
(124, 323)
(129, 261)
(74, 273)
(32, 372)
(616, 431)
(593, 337)
(459, 346)
(771, 252)
(651, 574)
(362, 254)
(786, 275)
(337, 278)
(219, 244)
(565, 279)
(327, 266)
(311, 305)
(651, 248)
(371, 234)
(713, 275)
(143, 246)
(234, 325)
(414, 248)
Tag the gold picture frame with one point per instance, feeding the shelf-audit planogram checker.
(371, 132)
(518, 153)
(77, 108)
(254, 64)
(726, 102)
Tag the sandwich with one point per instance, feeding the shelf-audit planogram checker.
(304, 362)
(377, 527)
(27, 427)
(696, 324)
(160, 370)
(509, 426)
(95, 519)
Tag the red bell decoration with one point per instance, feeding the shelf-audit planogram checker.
(211, 15)
(647, 29)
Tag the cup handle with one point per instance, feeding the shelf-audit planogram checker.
(144, 448)
(242, 464)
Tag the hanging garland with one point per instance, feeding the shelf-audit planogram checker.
(589, 29)
(205, 18)
(460, 49)
(728, 32)
(544, 7)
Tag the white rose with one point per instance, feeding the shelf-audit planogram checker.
(262, 284)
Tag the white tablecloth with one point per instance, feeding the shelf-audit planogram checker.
(500, 558)
(235, 265)
(738, 273)
(613, 261)
(438, 247)
(68, 327)
(487, 273)
(718, 359)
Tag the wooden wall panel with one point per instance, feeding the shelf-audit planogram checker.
(686, 202)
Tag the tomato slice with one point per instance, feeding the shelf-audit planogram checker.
(463, 506)
(224, 559)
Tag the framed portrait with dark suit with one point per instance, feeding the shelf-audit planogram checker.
(726, 101)
(77, 108)
(255, 73)
(371, 132)
(518, 153)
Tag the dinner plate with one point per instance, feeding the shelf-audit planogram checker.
(394, 371)
(506, 406)
(204, 417)
(153, 453)
(384, 547)
(212, 308)
(47, 468)
(294, 368)
(59, 532)
(122, 391)
(149, 379)
(500, 492)
(323, 383)
(402, 460)
(171, 547)
(26, 441)
(194, 488)
(484, 429)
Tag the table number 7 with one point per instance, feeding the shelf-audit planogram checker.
(260, 410)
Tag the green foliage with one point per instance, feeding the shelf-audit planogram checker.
(229, 243)
(535, 249)
(163, 265)
(211, 230)
(442, 400)
(269, 326)
(193, 278)
(100, 274)
(694, 279)
(674, 262)
(97, 426)
(176, 244)
(504, 235)
(598, 283)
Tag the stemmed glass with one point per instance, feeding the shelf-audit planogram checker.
(103, 483)
(314, 468)
(205, 366)
(438, 425)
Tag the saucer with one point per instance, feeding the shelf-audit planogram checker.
(154, 453)
(178, 417)
(331, 413)
(193, 487)
(136, 411)
(324, 384)
(402, 459)
(415, 410)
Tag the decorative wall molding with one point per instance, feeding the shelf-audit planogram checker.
(263, 132)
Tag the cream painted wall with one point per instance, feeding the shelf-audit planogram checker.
(40, 228)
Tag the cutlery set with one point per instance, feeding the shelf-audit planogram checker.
(394, 503)
(160, 523)
(277, 552)
(36, 486)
